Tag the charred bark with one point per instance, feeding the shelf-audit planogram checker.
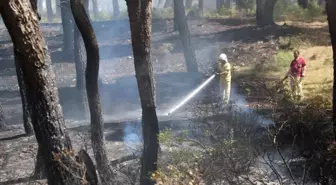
(116, 11)
(140, 17)
(47, 118)
(264, 13)
(67, 25)
(184, 33)
(26, 106)
(331, 13)
(40, 170)
(92, 70)
(201, 7)
(80, 64)
(49, 10)
(83, 157)
(3, 125)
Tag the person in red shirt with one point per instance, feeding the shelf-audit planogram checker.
(295, 73)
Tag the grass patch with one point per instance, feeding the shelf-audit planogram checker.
(293, 12)
(318, 80)
(319, 71)
(276, 64)
(229, 13)
(282, 60)
(294, 42)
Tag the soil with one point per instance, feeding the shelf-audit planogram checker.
(244, 43)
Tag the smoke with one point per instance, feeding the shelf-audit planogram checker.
(119, 91)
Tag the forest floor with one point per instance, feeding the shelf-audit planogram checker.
(257, 55)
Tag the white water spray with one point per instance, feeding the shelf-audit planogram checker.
(192, 94)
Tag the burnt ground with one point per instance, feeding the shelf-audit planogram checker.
(244, 43)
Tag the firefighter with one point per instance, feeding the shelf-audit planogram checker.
(295, 74)
(224, 72)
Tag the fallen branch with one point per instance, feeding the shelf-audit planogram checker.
(124, 159)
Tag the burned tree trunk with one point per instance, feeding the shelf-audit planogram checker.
(259, 11)
(80, 64)
(67, 26)
(92, 70)
(184, 33)
(140, 17)
(268, 18)
(26, 106)
(39, 170)
(264, 13)
(47, 118)
(201, 7)
(49, 10)
(116, 11)
(3, 125)
(331, 13)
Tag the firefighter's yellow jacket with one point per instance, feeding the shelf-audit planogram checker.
(224, 71)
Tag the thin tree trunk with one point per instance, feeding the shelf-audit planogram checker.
(140, 17)
(116, 11)
(95, 8)
(51, 135)
(80, 64)
(331, 13)
(92, 70)
(67, 26)
(50, 13)
(184, 33)
(3, 125)
(26, 106)
(201, 7)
